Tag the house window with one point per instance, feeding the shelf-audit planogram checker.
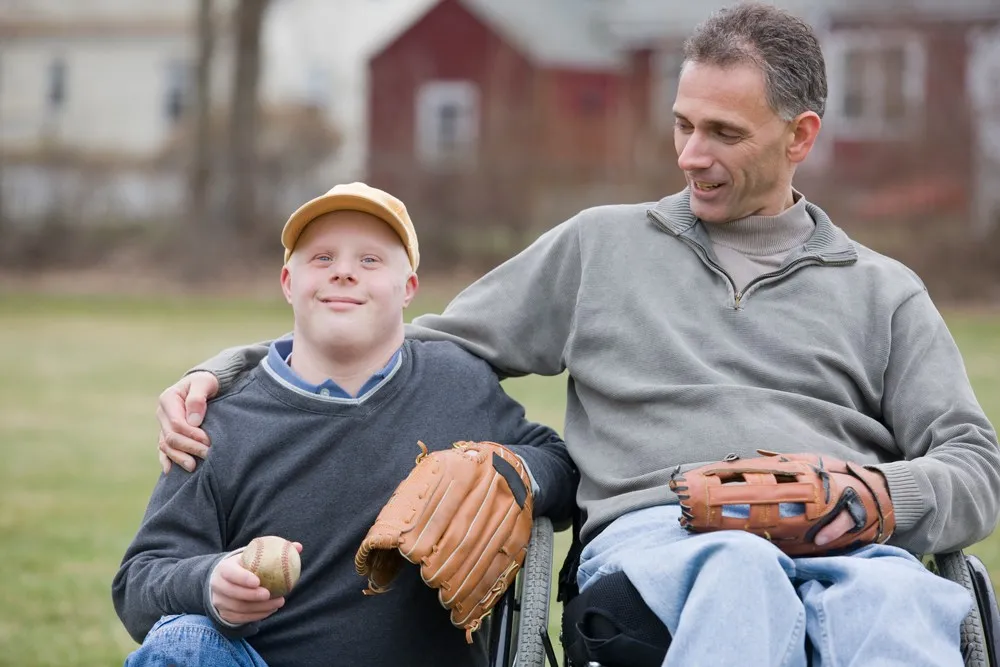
(57, 85)
(876, 84)
(178, 85)
(319, 82)
(447, 123)
(591, 102)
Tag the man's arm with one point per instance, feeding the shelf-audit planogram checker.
(229, 364)
(946, 491)
(518, 317)
(182, 406)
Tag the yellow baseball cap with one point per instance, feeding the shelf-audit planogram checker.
(354, 197)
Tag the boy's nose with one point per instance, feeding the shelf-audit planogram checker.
(340, 273)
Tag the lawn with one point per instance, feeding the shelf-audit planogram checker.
(77, 397)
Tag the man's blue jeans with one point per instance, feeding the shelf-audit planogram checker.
(732, 598)
(187, 640)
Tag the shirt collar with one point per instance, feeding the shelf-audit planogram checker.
(280, 351)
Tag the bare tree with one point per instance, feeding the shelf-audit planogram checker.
(244, 114)
(201, 162)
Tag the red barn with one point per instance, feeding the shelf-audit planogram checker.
(481, 107)
(908, 124)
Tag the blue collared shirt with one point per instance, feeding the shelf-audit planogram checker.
(280, 352)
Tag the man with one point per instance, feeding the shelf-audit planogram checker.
(731, 317)
(310, 446)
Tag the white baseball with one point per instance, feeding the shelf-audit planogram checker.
(275, 561)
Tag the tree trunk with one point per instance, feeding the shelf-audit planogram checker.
(198, 238)
(201, 162)
(242, 150)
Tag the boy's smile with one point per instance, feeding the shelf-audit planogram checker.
(348, 281)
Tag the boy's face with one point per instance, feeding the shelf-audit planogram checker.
(348, 281)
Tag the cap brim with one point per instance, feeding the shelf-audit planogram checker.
(340, 202)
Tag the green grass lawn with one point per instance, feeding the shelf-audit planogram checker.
(77, 398)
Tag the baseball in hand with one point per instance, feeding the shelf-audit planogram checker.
(275, 561)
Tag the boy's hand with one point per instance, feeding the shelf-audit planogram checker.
(237, 594)
(180, 412)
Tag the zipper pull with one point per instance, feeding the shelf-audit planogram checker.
(738, 295)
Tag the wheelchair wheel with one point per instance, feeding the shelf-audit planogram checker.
(952, 566)
(533, 615)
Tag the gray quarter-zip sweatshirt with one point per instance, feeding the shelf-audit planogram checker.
(838, 351)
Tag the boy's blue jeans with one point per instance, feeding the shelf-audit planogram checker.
(732, 598)
(187, 640)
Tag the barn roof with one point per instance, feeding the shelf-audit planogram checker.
(551, 32)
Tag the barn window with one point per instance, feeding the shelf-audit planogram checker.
(590, 102)
(178, 83)
(876, 83)
(57, 84)
(447, 123)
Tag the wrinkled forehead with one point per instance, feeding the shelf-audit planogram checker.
(724, 94)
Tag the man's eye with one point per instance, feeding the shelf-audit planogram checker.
(682, 126)
(727, 136)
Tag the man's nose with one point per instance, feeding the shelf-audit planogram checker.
(693, 154)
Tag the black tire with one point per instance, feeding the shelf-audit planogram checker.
(953, 566)
(533, 616)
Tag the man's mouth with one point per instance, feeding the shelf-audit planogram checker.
(705, 186)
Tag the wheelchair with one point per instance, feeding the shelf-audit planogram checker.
(609, 625)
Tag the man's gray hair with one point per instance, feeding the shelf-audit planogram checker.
(784, 47)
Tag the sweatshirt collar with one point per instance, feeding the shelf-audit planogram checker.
(828, 243)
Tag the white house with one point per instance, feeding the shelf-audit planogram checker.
(104, 76)
(110, 78)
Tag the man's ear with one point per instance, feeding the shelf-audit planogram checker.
(286, 283)
(411, 287)
(805, 128)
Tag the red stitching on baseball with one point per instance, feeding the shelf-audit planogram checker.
(258, 552)
(284, 565)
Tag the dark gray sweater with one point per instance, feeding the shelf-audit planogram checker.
(310, 469)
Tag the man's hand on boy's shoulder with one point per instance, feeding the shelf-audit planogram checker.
(180, 411)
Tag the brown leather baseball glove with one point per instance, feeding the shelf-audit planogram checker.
(824, 486)
(464, 516)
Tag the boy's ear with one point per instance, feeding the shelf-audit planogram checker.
(411, 287)
(286, 283)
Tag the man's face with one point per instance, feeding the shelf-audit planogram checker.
(348, 281)
(732, 147)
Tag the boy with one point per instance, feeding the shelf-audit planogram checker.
(310, 446)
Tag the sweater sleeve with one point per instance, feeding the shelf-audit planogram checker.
(167, 567)
(946, 490)
(232, 363)
(544, 454)
(519, 316)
